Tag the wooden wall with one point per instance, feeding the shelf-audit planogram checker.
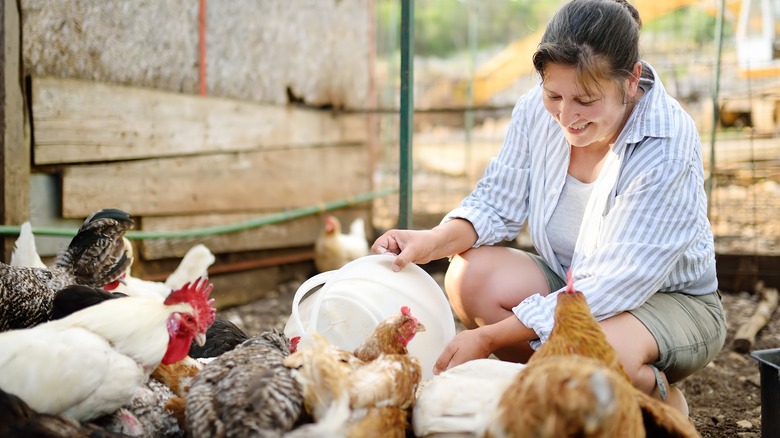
(179, 161)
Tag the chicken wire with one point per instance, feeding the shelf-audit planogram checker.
(449, 156)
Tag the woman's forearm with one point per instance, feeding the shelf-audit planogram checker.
(506, 333)
(453, 237)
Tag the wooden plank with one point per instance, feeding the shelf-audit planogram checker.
(272, 180)
(295, 233)
(79, 121)
(15, 148)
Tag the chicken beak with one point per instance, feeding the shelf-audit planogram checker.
(200, 339)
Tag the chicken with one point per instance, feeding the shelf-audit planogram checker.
(194, 265)
(246, 391)
(76, 297)
(351, 398)
(334, 249)
(222, 337)
(390, 336)
(461, 399)
(577, 332)
(597, 406)
(572, 396)
(25, 252)
(350, 394)
(95, 257)
(92, 362)
(145, 415)
(18, 420)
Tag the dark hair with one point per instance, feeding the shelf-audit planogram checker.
(600, 38)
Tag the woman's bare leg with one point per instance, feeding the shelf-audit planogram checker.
(484, 284)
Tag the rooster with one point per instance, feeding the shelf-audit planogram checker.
(334, 249)
(549, 399)
(95, 257)
(246, 391)
(91, 362)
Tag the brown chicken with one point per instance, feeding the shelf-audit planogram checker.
(95, 257)
(599, 405)
(577, 332)
(368, 393)
(391, 336)
(590, 400)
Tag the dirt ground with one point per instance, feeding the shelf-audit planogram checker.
(724, 398)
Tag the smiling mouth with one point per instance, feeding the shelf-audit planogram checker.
(578, 128)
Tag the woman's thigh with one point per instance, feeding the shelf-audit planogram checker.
(689, 330)
(485, 283)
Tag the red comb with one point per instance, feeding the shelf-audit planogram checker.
(406, 311)
(294, 343)
(569, 282)
(196, 294)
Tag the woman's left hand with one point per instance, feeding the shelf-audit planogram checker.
(465, 346)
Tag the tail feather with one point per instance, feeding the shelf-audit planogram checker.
(97, 255)
(25, 252)
(193, 265)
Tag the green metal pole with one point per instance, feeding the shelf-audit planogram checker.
(407, 113)
(715, 104)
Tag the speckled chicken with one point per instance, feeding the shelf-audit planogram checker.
(246, 391)
(95, 257)
(553, 398)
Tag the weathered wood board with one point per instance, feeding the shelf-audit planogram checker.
(79, 121)
(272, 180)
(295, 233)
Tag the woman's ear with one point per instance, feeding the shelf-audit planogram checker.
(633, 80)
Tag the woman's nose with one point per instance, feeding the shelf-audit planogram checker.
(567, 114)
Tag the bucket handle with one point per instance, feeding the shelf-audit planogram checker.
(304, 289)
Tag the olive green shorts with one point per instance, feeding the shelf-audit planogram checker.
(689, 329)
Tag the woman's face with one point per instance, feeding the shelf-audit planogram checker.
(586, 119)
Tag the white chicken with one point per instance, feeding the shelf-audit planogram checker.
(193, 265)
(25, 252)
(92, 362)
(461, 399)
(334, 249)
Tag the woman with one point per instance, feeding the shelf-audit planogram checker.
(606, 171)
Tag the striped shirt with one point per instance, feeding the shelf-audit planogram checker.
(645, 227)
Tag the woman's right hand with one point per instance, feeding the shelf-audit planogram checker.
(410, 246)
(422, 246)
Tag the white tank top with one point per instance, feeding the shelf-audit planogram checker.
(564, 225)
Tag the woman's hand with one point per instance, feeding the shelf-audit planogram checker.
(411, 246)
(465, 346)
(423, 246)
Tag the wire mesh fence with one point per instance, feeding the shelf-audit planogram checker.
(455, 136)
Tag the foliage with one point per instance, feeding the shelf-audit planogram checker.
(442, 26)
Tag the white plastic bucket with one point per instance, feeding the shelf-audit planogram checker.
(355, 298)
